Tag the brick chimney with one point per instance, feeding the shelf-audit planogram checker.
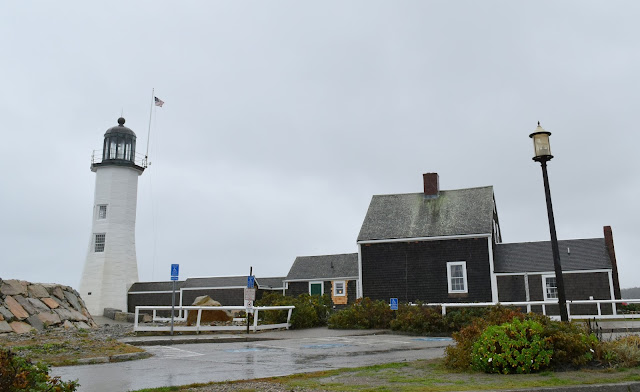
(608, 241)
(431, 185)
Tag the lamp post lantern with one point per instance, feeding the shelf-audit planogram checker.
(542, 154)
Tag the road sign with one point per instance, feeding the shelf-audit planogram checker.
(250, 294)
(251, 281)
(175, 268)
(394, 303)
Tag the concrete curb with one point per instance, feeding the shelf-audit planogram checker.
(113, 358)
(620, 387)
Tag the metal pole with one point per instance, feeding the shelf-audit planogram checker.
(562, 301)
(247, 309)
(173, 304)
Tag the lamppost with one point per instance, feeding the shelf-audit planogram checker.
(542, 151)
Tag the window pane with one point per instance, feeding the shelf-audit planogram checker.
(102, 212)
(99, 243)
(456, 271)
(339, 288)
(551, 287)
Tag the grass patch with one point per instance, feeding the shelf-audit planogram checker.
(422, 375)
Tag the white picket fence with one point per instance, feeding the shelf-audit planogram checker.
(198, 326)
(529, 304)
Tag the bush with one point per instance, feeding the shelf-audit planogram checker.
(362, 314)
(310, 310)
(572, 344)
(459, 356)
(19, 374)
(624, 351)
(419, 319)
(515, 347)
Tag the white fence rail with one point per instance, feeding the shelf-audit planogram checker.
(199, 327)
(598, 302)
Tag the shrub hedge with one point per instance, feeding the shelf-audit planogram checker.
(20, 374)
(363, 314)
(310, 310)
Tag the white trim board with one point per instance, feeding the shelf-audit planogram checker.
(552, 272)
(323, 279)
(436, 238)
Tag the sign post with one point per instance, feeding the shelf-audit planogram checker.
(175, 268)
(249, 295)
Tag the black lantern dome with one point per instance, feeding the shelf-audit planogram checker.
(119, 144)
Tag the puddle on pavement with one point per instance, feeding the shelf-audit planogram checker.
(434, 339)
(246, 350)
(326, 346)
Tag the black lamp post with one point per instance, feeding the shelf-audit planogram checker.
(542, 151)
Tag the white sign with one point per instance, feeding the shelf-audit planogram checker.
(249, 294)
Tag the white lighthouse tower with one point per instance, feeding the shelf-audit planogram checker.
(111, 266)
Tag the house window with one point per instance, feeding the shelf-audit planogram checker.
(102, 211)
(316, 288)
(99, 243)
(457, 276)
(550, 287)
(338, 288)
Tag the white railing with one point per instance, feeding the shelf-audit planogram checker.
(198, 327)
(598, 302)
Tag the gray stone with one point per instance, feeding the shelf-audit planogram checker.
(12, 287)
(38, 291)
(6, 313)
(4, 327)
(111, 313)
(35, 322)
(68, 325)
(70, 314)
(36, 303)
(25, 304)
(73, 300)
(49, 318)
(121, 316)
(82, 325)
(57, 291)
(15, 308)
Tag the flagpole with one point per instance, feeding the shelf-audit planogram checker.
(146, 155)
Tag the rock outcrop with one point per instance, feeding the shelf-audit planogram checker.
(208, 316)
(26, 306)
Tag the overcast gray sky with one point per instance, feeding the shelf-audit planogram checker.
(283, 118)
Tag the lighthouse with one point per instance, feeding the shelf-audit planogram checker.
(111, 266)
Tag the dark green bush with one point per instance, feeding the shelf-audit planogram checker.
(419, 319)
(20, 374)
(363, 314)
(459, 356)
(572, 344)
(310, 310)
(514, 347)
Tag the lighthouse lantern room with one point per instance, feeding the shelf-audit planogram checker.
(111, 266)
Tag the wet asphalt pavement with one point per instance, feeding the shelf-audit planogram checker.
(204, 362)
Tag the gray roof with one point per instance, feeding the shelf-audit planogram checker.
(270, 283)
(324, 267)
(217, 281)
(155, 286)
(575, 255)
(412, 215)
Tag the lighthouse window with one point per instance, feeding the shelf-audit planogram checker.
(102, 211)
(112, 148)
(99, 243)
(120, 148)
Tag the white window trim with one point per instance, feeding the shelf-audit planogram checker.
(544, 287)
(95, 242)
(344, 288)
(464, 275)
(106, 211)
(321, 283)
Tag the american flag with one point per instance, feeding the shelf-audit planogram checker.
(159, 102)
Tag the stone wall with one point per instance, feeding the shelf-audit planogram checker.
(26, 306)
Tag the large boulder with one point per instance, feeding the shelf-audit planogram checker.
(208, 316)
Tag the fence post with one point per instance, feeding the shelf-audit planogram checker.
(599, 310)
(289, 317)
(135, 322)
(198, 320)
(444, 310)
(255, 319)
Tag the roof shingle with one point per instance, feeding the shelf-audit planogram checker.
(324, 267)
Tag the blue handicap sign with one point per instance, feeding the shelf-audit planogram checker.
(175, 268)
(251, 281)
(394, 303)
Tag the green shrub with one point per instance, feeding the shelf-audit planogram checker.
(515, 347)
(310, 310)
(20, 374)
(419, 319)
(362, 314)
(459, 356)
(458, 318)
(572, 344)
(624, 351)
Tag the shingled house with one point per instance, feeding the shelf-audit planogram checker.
(440, 246)
(336, 275)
